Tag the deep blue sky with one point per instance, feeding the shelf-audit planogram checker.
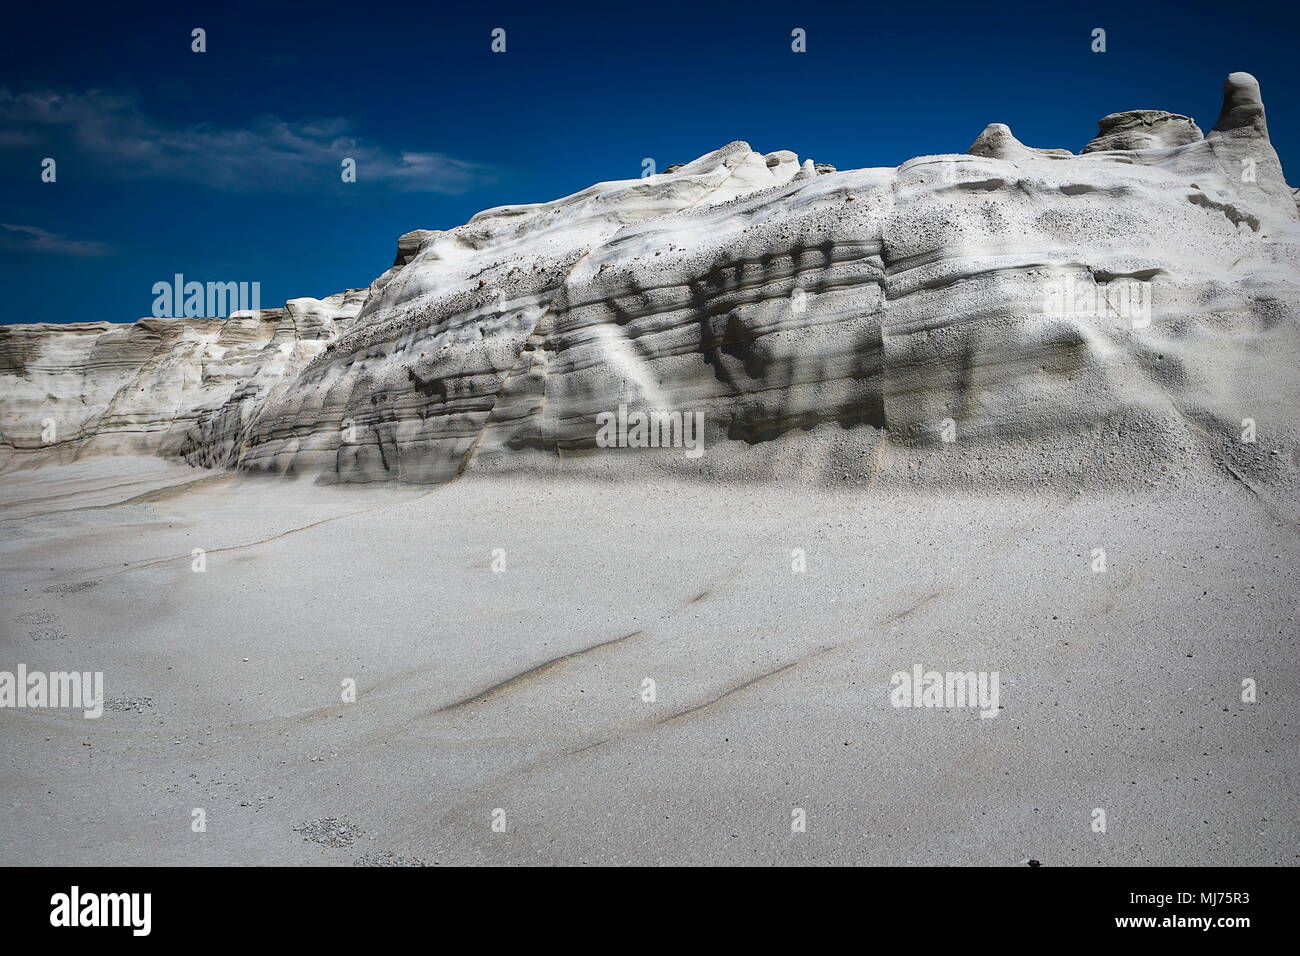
(225, 165)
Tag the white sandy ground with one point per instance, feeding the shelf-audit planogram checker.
(1119, 690)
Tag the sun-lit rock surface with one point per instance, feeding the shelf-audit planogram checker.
(174, 387)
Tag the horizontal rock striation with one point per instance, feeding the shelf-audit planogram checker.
(1006, 314)
(180, 388)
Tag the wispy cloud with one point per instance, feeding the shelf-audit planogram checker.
(122, 140)
(36, 239)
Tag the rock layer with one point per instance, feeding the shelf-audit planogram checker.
(1144, 129)
(171, 387)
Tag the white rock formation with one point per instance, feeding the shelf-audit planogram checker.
(1095, 316)
(174, 387)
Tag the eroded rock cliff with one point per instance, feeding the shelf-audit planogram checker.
(1005, 314)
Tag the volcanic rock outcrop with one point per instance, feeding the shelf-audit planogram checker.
(1005, 314)
(170, 387)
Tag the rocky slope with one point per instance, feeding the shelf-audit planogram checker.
(1001, 315)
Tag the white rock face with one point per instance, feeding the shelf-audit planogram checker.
(172, 387)
(1002, 315)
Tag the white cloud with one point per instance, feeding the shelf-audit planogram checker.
(272, 154)
(35, 239)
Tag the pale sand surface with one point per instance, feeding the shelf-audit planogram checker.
(1119, 691)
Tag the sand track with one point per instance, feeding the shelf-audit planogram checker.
(522, 690)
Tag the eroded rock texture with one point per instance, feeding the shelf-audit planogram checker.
(1008, 313)
(173, 387)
